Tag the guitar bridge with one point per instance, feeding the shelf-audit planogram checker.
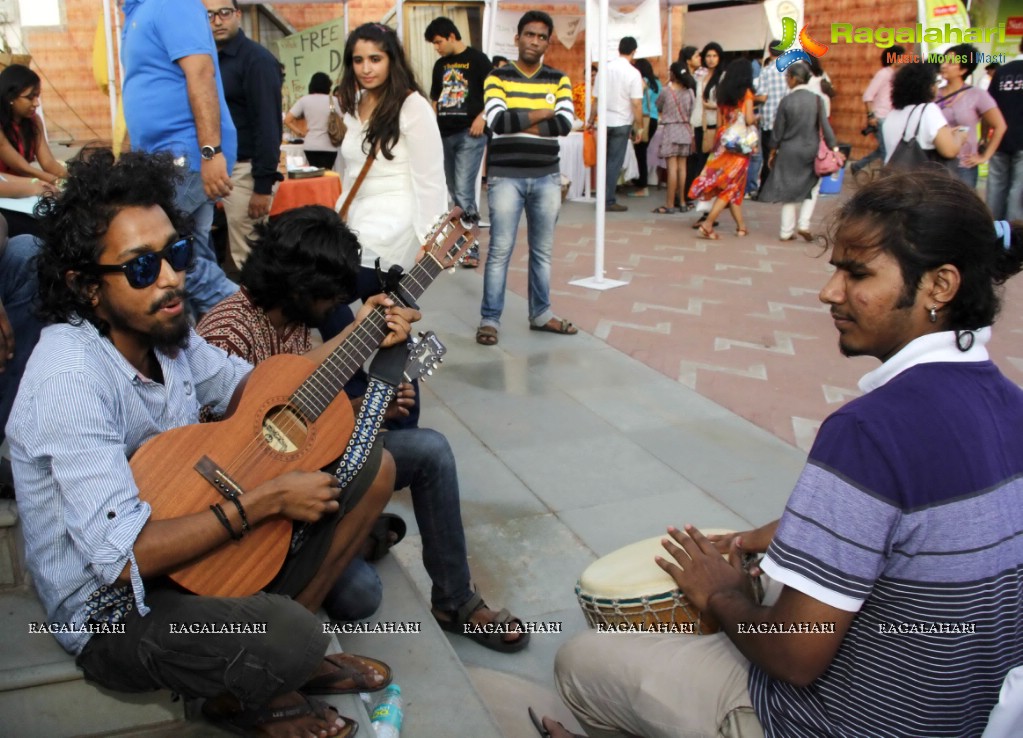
(219, 478)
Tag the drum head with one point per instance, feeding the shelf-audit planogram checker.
(631, 571)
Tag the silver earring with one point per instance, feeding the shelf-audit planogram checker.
(934, 314)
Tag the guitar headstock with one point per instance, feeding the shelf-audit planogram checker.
(451, 237)
(425, 353)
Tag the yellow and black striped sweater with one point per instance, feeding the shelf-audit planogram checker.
(509, 96)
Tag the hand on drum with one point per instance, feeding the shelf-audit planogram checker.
(724, 543)
(699, 569)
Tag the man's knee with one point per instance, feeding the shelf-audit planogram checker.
(379, 492)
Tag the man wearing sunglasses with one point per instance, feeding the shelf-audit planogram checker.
(174, 101)
(118, 365)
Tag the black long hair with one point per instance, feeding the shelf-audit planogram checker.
(401, 81)
(738, 79)
(303, 255)
(681, 74)
(925, 219)
(16, 80)
(715, 76)
(646, 70)
(73, 223)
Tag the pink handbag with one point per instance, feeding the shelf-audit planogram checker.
(827, 161)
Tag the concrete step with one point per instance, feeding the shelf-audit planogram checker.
(43, 693)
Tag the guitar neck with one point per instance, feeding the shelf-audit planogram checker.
(329, 380)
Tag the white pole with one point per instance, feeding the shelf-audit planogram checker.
(347, 27)
(668, 55)
(598, 282)
(111, 74)
(400, 12)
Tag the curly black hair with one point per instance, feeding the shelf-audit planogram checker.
(73, 223)
(302, 255)
(925, 219)
(914, 84)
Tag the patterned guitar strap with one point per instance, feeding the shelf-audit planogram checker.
(385, 374)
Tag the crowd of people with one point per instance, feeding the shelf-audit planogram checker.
(120, 324)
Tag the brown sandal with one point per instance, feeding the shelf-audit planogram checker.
(710, 234)
(349, 668)
(556, 325)
(486, 335)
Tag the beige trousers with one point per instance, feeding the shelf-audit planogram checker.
(656, 685)
(236, 210)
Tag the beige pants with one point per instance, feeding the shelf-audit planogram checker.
(236, 209)
(656, 686)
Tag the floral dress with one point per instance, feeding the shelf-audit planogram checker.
(724, 175)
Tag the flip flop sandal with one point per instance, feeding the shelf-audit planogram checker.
(380, 535)
(710, 235)
(245, 722)
(493, 636)
(349, 667)
(486, 335)
(561, 327)
(664, 211)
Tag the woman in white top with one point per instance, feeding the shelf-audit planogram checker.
(308, 118)
(404, 191)
(913, 109)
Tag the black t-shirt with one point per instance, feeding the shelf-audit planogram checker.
(1007, 89)
(458, 89)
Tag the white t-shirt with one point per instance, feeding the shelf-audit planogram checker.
(315, 109)
(902, 122)
(624, 84)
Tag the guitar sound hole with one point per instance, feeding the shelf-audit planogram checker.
(284, 429)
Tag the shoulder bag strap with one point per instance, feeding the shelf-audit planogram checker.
(343, 212)
(918, 122)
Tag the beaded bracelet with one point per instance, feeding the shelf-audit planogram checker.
(241, 511)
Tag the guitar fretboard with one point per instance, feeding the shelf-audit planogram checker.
(328, 381)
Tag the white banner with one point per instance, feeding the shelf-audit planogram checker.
(643, 24)
(506, 27)
(568, 28)
(778, 9)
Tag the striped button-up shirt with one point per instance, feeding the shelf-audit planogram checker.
(82, 410)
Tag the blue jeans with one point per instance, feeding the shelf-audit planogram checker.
(1005, 186)
(617, 145)
(19, 285)
(205, 281)
(356, 594)
(462, 157)
(968, 176)
(508, 196)
(756, 160)
(424, 463)
(880, 152)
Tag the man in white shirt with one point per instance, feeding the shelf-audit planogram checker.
(624, 113)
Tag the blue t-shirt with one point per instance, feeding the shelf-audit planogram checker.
(157, 33)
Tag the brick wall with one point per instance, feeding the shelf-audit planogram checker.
(851, 66)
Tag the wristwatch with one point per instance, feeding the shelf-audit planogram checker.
(208, 152)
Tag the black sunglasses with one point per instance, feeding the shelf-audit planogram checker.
(143, 270)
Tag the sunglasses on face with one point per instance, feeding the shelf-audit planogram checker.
(143, 270)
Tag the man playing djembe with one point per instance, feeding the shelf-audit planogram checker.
(901, 541)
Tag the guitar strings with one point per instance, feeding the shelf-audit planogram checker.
(318, 385)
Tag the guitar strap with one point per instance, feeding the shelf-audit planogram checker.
(378, 396)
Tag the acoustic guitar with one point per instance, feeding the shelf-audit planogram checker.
(291, 415)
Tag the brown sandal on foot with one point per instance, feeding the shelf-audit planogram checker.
(710, 234)
(486, 335)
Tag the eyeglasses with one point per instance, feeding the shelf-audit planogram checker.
(224, 13)
(143, 270)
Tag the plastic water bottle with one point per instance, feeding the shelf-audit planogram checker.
(387, 716)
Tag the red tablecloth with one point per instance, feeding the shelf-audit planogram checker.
(294, 193)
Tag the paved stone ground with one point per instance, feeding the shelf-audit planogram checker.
(738, 319)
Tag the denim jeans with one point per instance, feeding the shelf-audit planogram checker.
(1005, 186)
(756, 160)
(968, 176)
(356, 594)
(617, 145)
(507, 197)
(424, 463)
(19, 285)
(880, 152)
(205, 281)
(462, 157)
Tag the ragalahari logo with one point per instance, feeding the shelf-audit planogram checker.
(807, 46)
